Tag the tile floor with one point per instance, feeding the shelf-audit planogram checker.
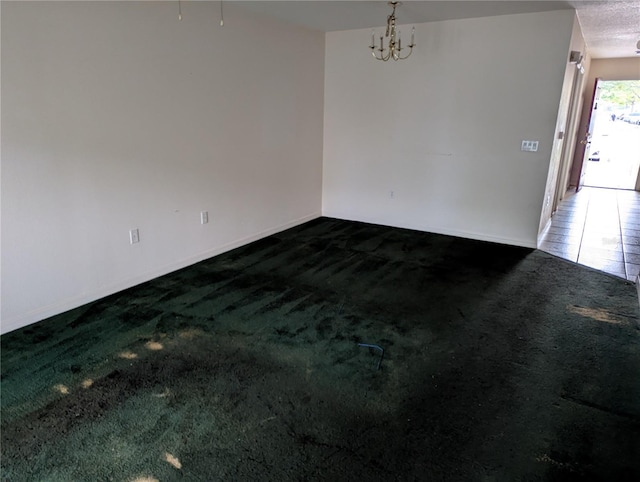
(599, 228)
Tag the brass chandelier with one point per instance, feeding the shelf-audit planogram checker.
(394, 47)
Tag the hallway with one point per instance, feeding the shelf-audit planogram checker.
(599, 228)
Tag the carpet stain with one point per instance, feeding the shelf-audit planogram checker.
(127, 355)
(60, 388)
(153, 346)
(87, 383)
(562, 465)
(253, 426)
(164, 394)
(172, 460)
(190, 334)
(598, 314)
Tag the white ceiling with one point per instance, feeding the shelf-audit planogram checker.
(611, 28)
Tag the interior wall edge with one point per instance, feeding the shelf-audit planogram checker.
(575, 42)
(67, 304)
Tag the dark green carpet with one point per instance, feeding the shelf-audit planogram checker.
(501, 364)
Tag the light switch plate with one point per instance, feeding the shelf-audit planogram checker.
(529, 146)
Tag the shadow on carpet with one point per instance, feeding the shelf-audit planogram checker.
(500, 363)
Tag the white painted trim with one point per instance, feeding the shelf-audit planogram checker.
(70, 303)
(544, 231)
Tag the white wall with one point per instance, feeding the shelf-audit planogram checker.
(443, 129)
(115, 115)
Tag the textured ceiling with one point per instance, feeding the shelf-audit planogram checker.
(611, 28)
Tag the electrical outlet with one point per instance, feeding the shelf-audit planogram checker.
(204, 217)
(134, 236)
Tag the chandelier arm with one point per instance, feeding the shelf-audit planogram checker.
(406, 56)
(375, 51)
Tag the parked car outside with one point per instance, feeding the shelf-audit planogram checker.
(633, 118)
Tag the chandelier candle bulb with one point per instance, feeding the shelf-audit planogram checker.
(413, 34)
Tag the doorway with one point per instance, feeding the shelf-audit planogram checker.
(612, 159)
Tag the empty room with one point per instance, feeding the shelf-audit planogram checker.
(317, 240)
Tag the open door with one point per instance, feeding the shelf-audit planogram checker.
(585, 143)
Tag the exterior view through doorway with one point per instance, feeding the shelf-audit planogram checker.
(612, 159)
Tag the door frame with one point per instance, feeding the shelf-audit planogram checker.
(586, 141)
(582, 141)
(570, 137)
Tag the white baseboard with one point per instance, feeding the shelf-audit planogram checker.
(544, 231)
(67, 304)
(447, 232)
